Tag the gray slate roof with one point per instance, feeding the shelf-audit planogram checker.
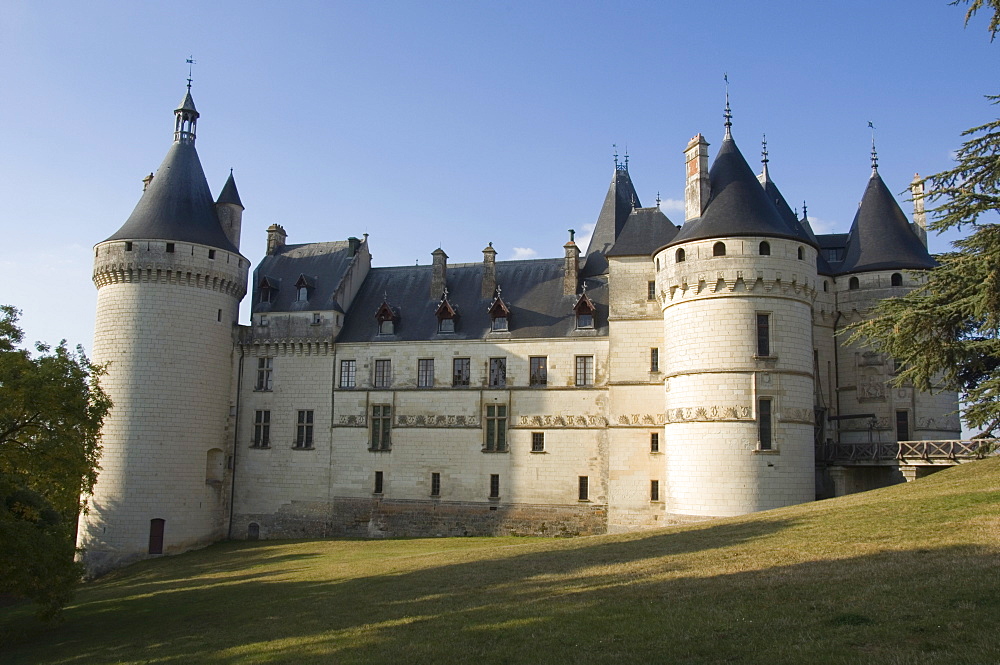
(325, 263)
(229, 193)
(646, 230)
(532, 290)
(177, 205)
(801, 227)
(618, 205)
(738, 205)
(187, 104)
(880, 237)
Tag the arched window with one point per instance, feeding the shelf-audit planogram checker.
(719, 249)
(854, 284)
(897, 279)
(765, 249)
(802, 254)
(679, 256)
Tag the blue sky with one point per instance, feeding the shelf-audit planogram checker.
(454, 123)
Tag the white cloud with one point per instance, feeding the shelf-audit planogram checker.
(672, 205)
(523, 253)
(583, 236)
(822, 226)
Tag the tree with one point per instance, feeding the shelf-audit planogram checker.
(975, 6)
(946, 333)
(51, 411)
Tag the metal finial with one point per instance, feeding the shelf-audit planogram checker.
(796, 213)
(615, 146)
(572, 234)
(874, 152)
(763, 150)
(805, 211)
(657, 199)
(190, 63)
(626, 157)
(728, 114)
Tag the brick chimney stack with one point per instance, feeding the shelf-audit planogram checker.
(919, 216)
(439, 272)
(489, 272)
(571, 266)
(275, 238)
(697, 188)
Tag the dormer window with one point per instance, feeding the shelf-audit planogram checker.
(386, 317)
(584, 310)
(303, 288)
(499, 314)
(446, 315)
(268, 289)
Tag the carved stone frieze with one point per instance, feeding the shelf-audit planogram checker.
(564, 420)
(435, 420)
(708, 414)
(797, 415)
(353, 421)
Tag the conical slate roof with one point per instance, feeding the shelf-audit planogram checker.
(229, 193)
(177, 205)
(880, 237)
(187, 104)
(738, 205)
(618, 205)
(801, 227)
(645, 231)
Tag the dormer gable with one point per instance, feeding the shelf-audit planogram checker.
(304, 286)
(446, 315)
(386, 318)
(584, 310)
(499, 314)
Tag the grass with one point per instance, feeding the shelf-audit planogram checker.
(905, 575)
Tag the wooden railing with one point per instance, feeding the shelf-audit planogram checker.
(928, 451)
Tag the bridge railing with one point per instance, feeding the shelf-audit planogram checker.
(938, 450)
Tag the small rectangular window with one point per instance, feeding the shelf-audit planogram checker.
(381, 427)
(584, 488)
(498, 372)
(654, 442)
(265, 379)
(211, 254)
(538, 370)
(494, 485)
(537, 442)
(651, 290)
(425, 373)
(764, 423)
(378, 482)
(435, 484)
(499, 324)
(460, 372)
(902, 426)
(446, 326)
(128, 246)
(654, 490)
(348, 373)
(383, 373)
(304, 430)
(654, 360)
(496, 428)
(261, 429)
(585, 370)
(763, 335)
(585, 320)
(170, 248)
(317, 318)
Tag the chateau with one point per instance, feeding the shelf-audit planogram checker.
(669, 372)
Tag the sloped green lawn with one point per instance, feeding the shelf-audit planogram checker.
(909, 574)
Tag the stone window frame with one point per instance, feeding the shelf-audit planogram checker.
(538, 442)
(304, 422)
(379, 483)
(651, 289)
(762, 328)
(654, 491)
(764, 249)
(261, 429)
(461, 372)
(425, 372)
(494, 486)
(496, 376)
(350, 378)
(654, 442)
(495, 421)
(584, 376)
(765, 423)
(654, 359)
(905, 413)
(265, 374)
(382, 373)
(719, 249)
(538, 371)
(435, 484)
(380, 435)
(583, 488)
(680, 256)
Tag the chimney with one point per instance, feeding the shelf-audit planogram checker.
(489, 272)
(919, 216)
(352, 245)
(275, 238)
(439, 272)
(571, 266)
(145, 182)
(696, 191)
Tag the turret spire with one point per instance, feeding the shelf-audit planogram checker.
(763, 155)
(186, 115)
(728, 114)
(874, 152)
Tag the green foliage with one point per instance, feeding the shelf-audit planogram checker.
(51, 411)
(946, 333)
(975, 6)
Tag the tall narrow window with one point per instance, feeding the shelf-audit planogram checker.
(348, 373)
(304, 430)
(264, 377)
(538, 442)
(261, 429)
(654, 442)
(425, 373)
(494, 485)
(584, 487)
(801, 254)
(538, 370)
(460, 372)
(435, 484)
(381, 426)
(679, 256)
(585, 370)
(156, 527)
(654, 490)
(902, 426)
(651, 290)
(378, 482)
(496, 428)
(498, 372)
(763, 335)
(764, 423)
(383, 373)
(654, 360)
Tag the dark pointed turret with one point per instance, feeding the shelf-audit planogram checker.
(229, 193)
(880, 237)
(177, 204)
(618, 205)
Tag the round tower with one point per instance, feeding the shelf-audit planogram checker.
(169, 285)
(736, 285)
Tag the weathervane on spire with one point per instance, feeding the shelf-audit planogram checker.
(190, 63)
(728, 115)
(763, 150)
(626, 156)
(615, 146)
(657, 200)
(874, 152)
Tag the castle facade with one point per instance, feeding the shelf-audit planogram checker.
(668, 373)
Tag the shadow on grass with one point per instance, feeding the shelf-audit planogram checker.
(649, 596)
